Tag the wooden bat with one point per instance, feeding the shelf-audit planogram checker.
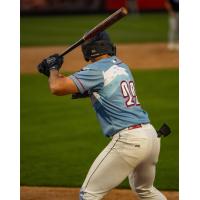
(98, 28)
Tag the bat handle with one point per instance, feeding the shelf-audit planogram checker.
(73, 46)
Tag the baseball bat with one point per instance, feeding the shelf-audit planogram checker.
(98, 28)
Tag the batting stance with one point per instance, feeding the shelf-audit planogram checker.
(134, 147)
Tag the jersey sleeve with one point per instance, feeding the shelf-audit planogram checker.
(88, 79)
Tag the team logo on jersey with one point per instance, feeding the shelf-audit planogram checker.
(112, 73)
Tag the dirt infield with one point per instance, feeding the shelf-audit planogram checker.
(50, 193)
(142, 56)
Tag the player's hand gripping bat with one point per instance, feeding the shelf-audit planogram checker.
(98, 28)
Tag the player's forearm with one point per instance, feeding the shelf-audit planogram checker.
(55, 83)
(61, 85)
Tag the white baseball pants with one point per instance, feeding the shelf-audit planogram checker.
(173, 29)
(131, 153)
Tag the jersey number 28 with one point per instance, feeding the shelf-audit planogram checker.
(128, 92)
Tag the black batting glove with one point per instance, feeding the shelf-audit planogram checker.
(52, 62)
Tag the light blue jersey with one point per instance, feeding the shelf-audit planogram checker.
(113, 94)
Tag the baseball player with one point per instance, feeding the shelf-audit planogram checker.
(134, 147)
(172, 7)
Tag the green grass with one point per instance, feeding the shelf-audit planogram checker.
(61, 137)
(62, 30)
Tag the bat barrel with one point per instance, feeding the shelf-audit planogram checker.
(106, 23)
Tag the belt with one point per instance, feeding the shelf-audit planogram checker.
(130, 128)
(135, 126)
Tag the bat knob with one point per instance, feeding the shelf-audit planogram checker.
(124, 11)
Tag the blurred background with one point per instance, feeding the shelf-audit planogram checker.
(61, 137)
(86, 6)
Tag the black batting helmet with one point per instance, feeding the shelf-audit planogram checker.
(97, 46)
